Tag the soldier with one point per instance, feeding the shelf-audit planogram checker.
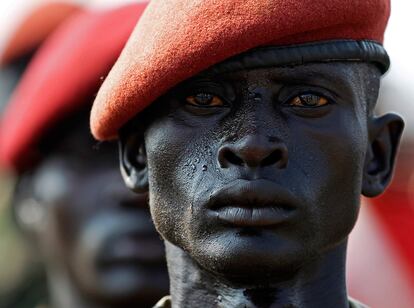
(251, 125)
(95, 237)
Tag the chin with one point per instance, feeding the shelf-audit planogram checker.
(250, 256)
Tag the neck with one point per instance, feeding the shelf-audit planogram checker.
(62, 291)
(318, 283)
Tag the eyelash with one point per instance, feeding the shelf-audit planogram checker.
(208, 89)
(285, 102)
(205, 90)
(222, 101)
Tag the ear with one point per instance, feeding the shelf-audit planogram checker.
(133, 160)
(384, 137)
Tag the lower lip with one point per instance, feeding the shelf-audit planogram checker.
(254, 217)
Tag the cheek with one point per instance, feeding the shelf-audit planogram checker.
(69, 198)
(53, 188)
(332, 159)
(179, 158)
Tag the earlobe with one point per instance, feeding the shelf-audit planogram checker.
(133, 162)
(384, 137)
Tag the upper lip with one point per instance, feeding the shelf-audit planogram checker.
(253, 194)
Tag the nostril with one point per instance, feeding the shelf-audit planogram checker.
(272, 159)
(233, 158)
(228, 157)
(253, 154)
(277, 158)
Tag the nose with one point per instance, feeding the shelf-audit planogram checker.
(254, 151)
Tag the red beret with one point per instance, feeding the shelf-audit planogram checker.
(176, 39)
(66, 71)
(35, 28)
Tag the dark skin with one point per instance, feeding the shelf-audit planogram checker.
(95, 237)
(255, 179)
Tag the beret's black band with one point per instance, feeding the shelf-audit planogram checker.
(326, 51)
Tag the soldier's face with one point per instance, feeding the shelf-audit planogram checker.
(257, 171)
(98, 231)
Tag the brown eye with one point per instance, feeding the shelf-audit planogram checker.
(204, 100)
(308, 100)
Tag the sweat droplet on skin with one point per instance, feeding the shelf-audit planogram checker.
(204, 168)
(208, 150)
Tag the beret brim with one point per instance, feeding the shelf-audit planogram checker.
(320, 52)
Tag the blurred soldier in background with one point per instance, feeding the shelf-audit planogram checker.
(22, 280)
(95, 237)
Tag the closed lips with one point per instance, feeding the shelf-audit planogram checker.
(253, 203)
